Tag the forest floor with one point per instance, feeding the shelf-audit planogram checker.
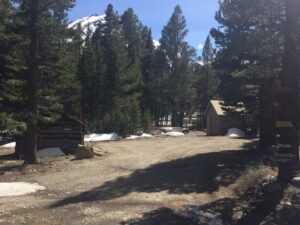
(156, 181)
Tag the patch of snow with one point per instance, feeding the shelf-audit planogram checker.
(235, 133)
(173, 134)
(166, 129)
(200, 62)
(9, 145)
(144, 135)
(92, 22)
(296, 179)
(50, 152)
(132, 137)
(101, 137)
(86, 22)
(156, 43)
(18, 188)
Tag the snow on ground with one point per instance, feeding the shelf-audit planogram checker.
(101, 137)
(132, 137)
(166, 129)
(144, 135)
(235, 133)
(115, 136)
(18, 188)
(173, 134)
(50, 152)
(9, 145)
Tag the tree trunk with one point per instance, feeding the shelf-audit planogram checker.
(174, 120)
(181, 119)
(31, 145)
(289, 98)
(19, 149)
(266, 116)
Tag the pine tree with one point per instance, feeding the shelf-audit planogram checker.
(148, 103)
(178, 54)
(42, 25)
(207, 57)
(206, 78)
(249, 55)
(11, 85)
(68, 88)
(112, 44)
(91, 74)
(110, 74)
(131, 80)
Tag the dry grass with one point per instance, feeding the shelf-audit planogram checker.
(291, 193)
(253, 179)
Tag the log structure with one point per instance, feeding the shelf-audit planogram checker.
(66, 133)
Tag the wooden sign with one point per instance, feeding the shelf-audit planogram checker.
(286, 149)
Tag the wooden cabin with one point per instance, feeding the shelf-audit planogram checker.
(217, 121)
(66, 133)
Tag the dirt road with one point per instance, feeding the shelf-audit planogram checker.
(135, 182)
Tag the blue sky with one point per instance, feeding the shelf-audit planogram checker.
(156, 13)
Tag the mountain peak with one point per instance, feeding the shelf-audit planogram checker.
(88, 21)
(92, 21)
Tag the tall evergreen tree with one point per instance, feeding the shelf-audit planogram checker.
(148, 97)
(207, 82)
(68, 85)
(178, 56)
(250, 44)
(118, 79)
(42, 25)
(91, 75)
(11, 85)
(131, 80)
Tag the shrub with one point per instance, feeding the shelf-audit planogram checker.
(291, 194)
(253, 179)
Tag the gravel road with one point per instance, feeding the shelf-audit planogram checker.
(134, 182)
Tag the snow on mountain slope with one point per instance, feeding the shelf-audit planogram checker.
(156, 43)
(87, 21)
(93, 21)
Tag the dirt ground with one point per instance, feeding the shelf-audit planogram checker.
(134, 182)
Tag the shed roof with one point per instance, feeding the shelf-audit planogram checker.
(221, 109)
(217, 105)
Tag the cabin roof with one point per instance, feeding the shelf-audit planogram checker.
(221, 109)
(217, 106)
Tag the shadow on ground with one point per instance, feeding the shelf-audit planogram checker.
(263, 210)
(161, 216)
(203, 173)
(7, 162)
(218, 213)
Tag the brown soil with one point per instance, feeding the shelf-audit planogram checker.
(131, 180)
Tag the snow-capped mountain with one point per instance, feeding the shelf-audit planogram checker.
(92, 22)
(87, 21)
